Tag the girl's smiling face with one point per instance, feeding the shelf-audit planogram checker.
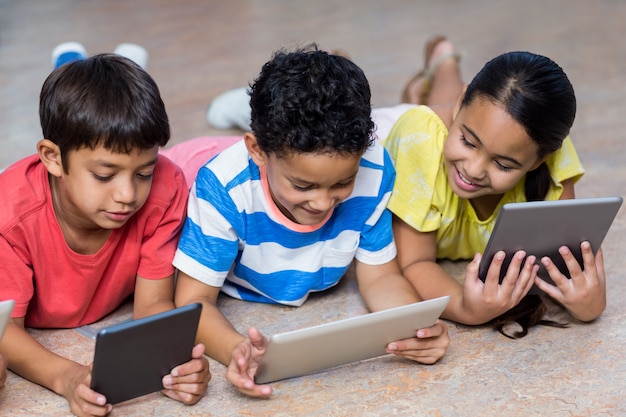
(487, 153)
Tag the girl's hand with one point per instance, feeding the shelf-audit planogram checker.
(584, 294)
(487, 300)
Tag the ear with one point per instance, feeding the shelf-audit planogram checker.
(258, 156)
(50, 156)
(539, 162)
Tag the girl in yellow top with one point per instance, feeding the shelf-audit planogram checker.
(506, 141)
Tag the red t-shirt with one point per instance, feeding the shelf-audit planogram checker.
(55, 287)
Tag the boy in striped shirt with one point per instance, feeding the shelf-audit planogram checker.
(286, 211)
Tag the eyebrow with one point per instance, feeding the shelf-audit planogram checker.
(303, 181)
(111, 165)
(475, 136)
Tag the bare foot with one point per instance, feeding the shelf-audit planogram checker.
(440, 53)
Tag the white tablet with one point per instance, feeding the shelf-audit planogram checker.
(132, 357)
(541, 227)
(6, 307)
(317, 348)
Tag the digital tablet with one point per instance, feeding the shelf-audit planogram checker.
(131, 358)
(317, 348)
(6, 307)
(541, 227)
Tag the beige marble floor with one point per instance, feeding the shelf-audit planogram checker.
(201, 48)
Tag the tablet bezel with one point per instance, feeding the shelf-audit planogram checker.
(132, 357)
(317, 348)
(541, 227)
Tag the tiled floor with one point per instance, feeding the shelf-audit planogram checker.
(201, 48)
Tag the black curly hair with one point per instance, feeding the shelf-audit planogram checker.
(311, 101)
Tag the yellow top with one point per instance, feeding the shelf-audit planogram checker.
(422, 196)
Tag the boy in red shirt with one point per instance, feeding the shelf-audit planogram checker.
(90, 219)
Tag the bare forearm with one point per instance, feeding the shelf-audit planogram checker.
(216, 333)
(430, 280)
(29, 359)
(393, 291)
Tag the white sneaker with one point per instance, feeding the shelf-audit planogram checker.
(230, 109)
(67, 52)
(136, 53)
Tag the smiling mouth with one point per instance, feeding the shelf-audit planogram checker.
(465, 180)
(313, 212)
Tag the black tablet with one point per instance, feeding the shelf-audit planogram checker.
(541, 227)
(131, 358)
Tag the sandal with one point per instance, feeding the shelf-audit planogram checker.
(413, 91)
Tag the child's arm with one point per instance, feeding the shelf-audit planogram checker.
(29, 359)
(186, 382)
(222, 341)
(153, 296)
(474, 302)
(383, 287)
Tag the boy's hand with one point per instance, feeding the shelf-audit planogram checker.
(83, 401)
(427, 347)
(245, 362)
(484, 301)
(584, 294)
(188, 382)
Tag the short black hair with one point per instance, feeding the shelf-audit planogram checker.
(103, 100)
(311, 101)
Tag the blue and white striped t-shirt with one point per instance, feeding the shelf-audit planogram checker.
(232, 239)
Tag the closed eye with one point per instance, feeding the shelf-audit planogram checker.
(102, 178)
(467, 143)
(503, 167)
(145, 177)
(302, 188)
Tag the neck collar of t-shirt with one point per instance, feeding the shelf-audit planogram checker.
(279, 216)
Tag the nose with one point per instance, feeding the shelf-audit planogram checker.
(475, 168)
(323, 201)
(125, 191)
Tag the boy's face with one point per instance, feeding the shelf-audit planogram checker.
(103, 189)
(306, 187)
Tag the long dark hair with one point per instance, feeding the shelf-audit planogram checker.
(536, 92)
(528, 313)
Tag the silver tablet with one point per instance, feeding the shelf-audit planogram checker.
(6, 307)
(317, 348)
(132, 357)
(541, 227)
